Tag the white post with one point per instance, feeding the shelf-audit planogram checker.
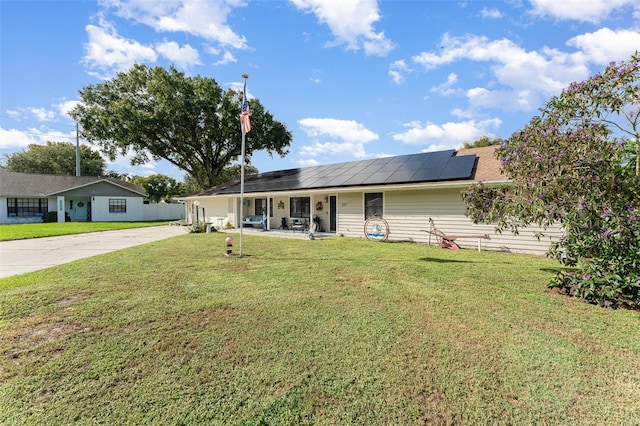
(61, 215)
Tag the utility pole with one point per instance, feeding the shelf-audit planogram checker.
(77, 150)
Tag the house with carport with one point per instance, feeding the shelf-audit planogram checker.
(25, 197)
(412, 194)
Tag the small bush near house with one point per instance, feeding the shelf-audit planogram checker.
(50, 217)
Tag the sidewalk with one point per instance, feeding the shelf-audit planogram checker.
(18, 257)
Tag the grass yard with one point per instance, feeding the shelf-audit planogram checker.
(39, 230)
(331, 331)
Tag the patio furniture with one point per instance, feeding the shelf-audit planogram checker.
(299, 223)
(253, 220)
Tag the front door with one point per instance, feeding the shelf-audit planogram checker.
(333, 213)
(79, 209)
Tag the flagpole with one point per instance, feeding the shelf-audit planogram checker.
(242, 126)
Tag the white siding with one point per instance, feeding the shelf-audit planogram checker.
(408, 214)
(100, 210)
(350, 217)
(408, 211)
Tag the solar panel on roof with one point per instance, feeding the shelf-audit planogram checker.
(356, 179)
(390, 167)
(382, 160)
(413, 163)
(426, 174)
(400, 176)
(379, 177)
(372, 168)
(412, 168)
(358, 167)
(458, 168)
(338, 180)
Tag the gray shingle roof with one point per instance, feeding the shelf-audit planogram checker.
(27, 184)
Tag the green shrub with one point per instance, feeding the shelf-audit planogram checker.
(50, 217)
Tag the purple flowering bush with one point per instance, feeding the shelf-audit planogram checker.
(577, 165)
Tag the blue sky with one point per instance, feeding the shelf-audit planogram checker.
(351, 79)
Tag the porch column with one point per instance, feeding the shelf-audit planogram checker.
(61, 216)
(268, 215)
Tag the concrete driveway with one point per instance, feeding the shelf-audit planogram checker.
(18, 257)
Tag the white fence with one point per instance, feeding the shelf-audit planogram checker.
(163, 211)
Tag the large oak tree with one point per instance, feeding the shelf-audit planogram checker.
(189, 121)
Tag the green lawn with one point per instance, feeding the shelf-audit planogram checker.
(39, 230)
(331, 331)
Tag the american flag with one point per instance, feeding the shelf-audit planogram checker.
(246, 113)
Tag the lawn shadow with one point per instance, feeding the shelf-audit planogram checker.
(556, 270)
(440, 260)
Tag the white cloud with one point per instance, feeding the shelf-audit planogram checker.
(580, 10)
(445, 89)
(347, 130)
(351, 22)
(15, 139)
(490, 13)
(606, 45)
(448, 135)
(397, 71)
(510, 100)
(333, 148)
(350, 134)
(526, 78)
(41, 114)
(206, 19)
(12, 113)
(65, 106)
(183, 57)
(122, 164)
(109, 52)
(12, 138)
(308, 162)
(227, 57)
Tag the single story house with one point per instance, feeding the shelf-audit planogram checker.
(411, 193)
(25, 197)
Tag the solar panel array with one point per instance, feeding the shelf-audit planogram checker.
(412, 168)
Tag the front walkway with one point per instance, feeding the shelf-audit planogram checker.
(283, 233)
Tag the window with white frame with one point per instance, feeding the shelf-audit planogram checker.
(117, 205)
(373, 205)
(300, 207)
(27, 207)
(261, 205)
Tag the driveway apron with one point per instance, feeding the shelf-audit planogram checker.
(18, 257)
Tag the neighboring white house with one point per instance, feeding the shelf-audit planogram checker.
(25, 197)
(407, 191)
